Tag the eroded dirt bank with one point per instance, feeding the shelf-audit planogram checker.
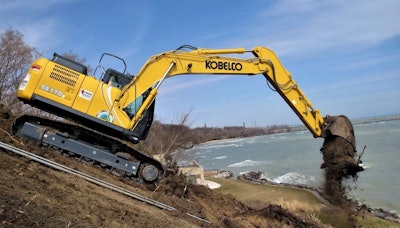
(32, 195)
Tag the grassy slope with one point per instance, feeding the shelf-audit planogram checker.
(296, 200)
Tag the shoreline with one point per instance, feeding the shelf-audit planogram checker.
(380, 206)
(378, 212)
(318, 193)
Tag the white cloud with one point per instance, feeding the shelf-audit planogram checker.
(366, 61)
(32, 5)
(41, 35)
(359, 81)
(40, 29)
(308, 27)
(172, 86)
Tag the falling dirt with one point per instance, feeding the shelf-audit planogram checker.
(340, 162)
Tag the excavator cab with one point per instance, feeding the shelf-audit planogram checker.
(119, 79)
(111, 76)
(116, 79)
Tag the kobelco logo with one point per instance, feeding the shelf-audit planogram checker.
(223, 65)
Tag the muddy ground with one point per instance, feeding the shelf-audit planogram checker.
(32, 195)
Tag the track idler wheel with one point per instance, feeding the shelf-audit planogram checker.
(150, 173)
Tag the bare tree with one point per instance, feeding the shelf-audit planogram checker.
(76, 58)
(166, 138)
(15, 58)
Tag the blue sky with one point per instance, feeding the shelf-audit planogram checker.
(345, 55)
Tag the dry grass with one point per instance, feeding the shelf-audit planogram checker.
(297, 206)
(259, 196)
(296, 200)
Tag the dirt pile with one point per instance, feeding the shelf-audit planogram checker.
(32, 195)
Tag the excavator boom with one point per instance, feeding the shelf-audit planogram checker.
(207, 61)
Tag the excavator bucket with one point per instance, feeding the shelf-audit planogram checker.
(339, 148)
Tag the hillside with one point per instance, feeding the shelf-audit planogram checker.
(33, 195)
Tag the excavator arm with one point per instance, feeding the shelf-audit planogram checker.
(339, 147)
(210, 61)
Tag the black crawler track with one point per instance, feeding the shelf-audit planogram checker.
(98, 141)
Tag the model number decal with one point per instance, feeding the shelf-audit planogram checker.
(52, 91)
(223, 65)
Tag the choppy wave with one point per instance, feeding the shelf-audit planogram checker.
(366, 165)
(264, 176)
(288, 178)
(218, 146)
(293, 178)
(278, 137)
(248, 163)
(220, 157)
(302, 132)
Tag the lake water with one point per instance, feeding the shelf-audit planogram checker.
(294, 157)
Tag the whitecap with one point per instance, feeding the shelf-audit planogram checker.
(220, 157)
(265, 176)
(365, 165)
(291, 178)
(247, 163)
(302, 132)
(219, 146)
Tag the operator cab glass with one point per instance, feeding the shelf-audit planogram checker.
(134, 106)
(116, 79)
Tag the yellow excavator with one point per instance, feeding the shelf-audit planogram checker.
(119, 107)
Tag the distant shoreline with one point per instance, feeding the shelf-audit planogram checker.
(376, 119)
(303, 128)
